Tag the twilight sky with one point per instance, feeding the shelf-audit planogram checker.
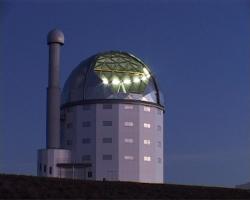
(198, 49)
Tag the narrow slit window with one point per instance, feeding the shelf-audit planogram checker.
(107, 123)
(129, 140)
(129, 157)
(128, 107)
(128, 124)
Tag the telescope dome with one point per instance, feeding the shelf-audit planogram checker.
(112, 75)
(55, 36)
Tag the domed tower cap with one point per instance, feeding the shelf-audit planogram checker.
(55, 36)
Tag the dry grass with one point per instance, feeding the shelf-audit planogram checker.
(14, 186)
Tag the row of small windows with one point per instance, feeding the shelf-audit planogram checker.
(109, 140)
(109, 123)
(104, 157)
(145, 158)
(110, 106)
(45, 168)
(126, 157)
(88, 141)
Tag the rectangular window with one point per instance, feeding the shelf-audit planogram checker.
(90, 174)
(106, 140)
(69, 109)
(128, 124)
(86, 107)
(50, 170)
(69, 125)
(86, 124)
(86, 158)
(146, 109)
(44, 168)
(107, 157)
(146, 142)
(128, 140)
(86, 140)
(69, 142)
(147, 158)
(146, 125)
(129, 157)
(107, 123)
(40, 167)
(107, 106)
(158, 128)
(159, 160)
(128, 107)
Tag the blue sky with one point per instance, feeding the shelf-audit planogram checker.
(199, 51)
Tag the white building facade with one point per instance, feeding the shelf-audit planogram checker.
(112, 116)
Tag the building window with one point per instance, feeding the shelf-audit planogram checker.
(128, 140)
(159, 112)
(69, 125)
(106, 140)
(86, 107)
(69, 109)
(69, 142)
(159, 144)
(128, 107)
(40, 167)
(159, 160)
(50, 170)
(146, 125)
(129, 157)
(146, 109)
(158, 128)
(128, 124)
(44, 168)
(107, 123)
(147, 158)
(86, 158)
(86, 124)
(146, 142)
(107, 106)
(107, 157)
(90, 174)
(86, 140)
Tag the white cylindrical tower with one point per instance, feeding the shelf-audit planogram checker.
(55, 39)
(49, 158)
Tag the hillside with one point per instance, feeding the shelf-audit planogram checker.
(14, 186)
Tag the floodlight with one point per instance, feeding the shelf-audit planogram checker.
(127, 81)
(136, 80)
(116, 81)
(105, 81)
(145, 71)
(143, 78)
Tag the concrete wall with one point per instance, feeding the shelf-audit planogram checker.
(128, 142)
(127, 148)
(106, 167)
(48, 159)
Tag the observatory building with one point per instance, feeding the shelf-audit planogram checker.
(108, 121)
